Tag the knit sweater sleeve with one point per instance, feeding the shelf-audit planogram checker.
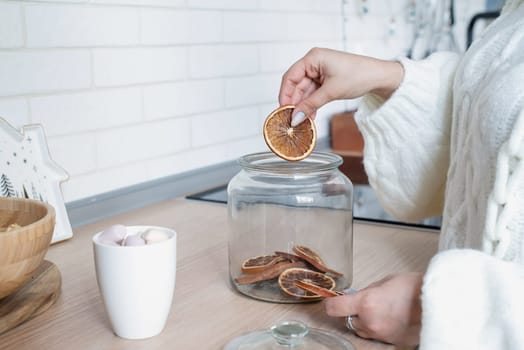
(406, 152)
(471, 300)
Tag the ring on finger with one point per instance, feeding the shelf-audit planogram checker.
(349, 323)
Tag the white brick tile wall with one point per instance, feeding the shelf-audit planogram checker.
(87, 111)
(139, 65)
(166, 27)
(252, 90)
(241, 26)
(11, 25)
(372, 47)
(104, 180)
(83, 160)
(333, 6)
(263, 111)
(135, 90)
(210, 61)
(15, 111)
(366, 28)
(141, 142)
(224, 4)
(239, 123)
(74, 26)
(26, 72)
(378, 9)
(237, 149)
(185, 161)
(64, 1)
(277, 57)
(161, 3)
(177, 99)
(314, 27)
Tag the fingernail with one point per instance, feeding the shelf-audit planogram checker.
(298, 118)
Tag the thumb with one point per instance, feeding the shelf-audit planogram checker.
(308, 107)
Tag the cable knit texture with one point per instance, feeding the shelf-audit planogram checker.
(407, 139)
(466, 305)
(451, 140)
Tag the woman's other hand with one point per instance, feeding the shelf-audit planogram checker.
(388, 310)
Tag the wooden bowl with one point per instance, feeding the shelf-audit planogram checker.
(23, 249)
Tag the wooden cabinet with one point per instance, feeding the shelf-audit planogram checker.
(347, 141)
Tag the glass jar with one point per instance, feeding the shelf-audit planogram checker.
(282, 209)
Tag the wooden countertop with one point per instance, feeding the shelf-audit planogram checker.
(207, 312)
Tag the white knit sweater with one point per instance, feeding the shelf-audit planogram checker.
(450, 141)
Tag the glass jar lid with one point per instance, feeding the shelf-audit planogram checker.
(289, 335)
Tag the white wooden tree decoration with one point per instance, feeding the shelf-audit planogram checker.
(27, 171)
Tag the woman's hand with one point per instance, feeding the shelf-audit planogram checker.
(388, 310)
(324, 75)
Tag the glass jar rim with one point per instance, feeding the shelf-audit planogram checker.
(271, 163)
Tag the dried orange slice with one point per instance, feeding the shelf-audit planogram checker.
(320, 291)
(314, 259)
(287, 142)
(268, 274)
(287, 280)
(289, 256)
(260, 263)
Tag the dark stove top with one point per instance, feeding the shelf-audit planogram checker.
(366, 207)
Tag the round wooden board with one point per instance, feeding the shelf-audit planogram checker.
(33, 298)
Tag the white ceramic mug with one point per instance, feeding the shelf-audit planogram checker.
(137, 283)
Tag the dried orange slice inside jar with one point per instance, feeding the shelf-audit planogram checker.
(258, 264)
(287, 280)
(288, 142)
(314, 259)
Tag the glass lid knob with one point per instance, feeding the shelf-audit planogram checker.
(290, 334)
